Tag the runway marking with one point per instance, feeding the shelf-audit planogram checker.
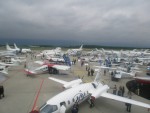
(37, 96)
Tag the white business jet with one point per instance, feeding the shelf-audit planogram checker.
(23, 50)
(78, 92)
(12, 49)
(74, 51)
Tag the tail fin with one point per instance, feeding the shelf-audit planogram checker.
(146, 51)
(103, 50)
(8, 47)
(67, 59)
(15, 46)
(97, 77)
(81, 47)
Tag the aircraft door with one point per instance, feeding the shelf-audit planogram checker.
(62, 107)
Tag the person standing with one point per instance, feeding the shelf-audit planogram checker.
(128, 106)
(120, 91)
(123, 90)
(88, 72)
(74, 109)
(92, 72)
(104, 72)
(115, 90)
(1, 91)
(91, 101)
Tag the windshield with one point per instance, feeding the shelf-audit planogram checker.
(48, 109)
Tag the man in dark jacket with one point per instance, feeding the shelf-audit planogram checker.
(1, 91)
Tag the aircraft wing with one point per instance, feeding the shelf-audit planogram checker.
(59, 81)
(61, 67)
(123, 99)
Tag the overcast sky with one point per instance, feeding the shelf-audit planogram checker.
(103, 22)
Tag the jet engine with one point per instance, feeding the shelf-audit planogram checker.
(99, 91)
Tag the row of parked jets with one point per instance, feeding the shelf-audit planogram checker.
(9, 57)
(77, 91)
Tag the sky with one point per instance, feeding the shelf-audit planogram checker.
(70, 22)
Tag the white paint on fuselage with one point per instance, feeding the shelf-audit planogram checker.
(72, 95)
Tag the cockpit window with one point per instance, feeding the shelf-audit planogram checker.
(48, 109)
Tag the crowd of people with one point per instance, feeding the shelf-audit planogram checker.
(120, 92)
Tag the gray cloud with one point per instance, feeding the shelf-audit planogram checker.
(109, 22)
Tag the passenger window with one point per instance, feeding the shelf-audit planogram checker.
(62, 103)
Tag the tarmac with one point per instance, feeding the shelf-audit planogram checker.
(23, 93)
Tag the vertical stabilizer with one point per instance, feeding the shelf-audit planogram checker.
(8, 47)
(15, 46)
(67, 59)
(81, 47)
(97, 77)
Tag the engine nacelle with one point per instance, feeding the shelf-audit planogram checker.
(99, 91)
(72, 83)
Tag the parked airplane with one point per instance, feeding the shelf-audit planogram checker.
(7, 53)
(50, 53)
(74, 51)
(10, 61)
(121, 74)
(45, 68)
(143, 80)
(22, 50)
(78, 92)
(12, 49)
